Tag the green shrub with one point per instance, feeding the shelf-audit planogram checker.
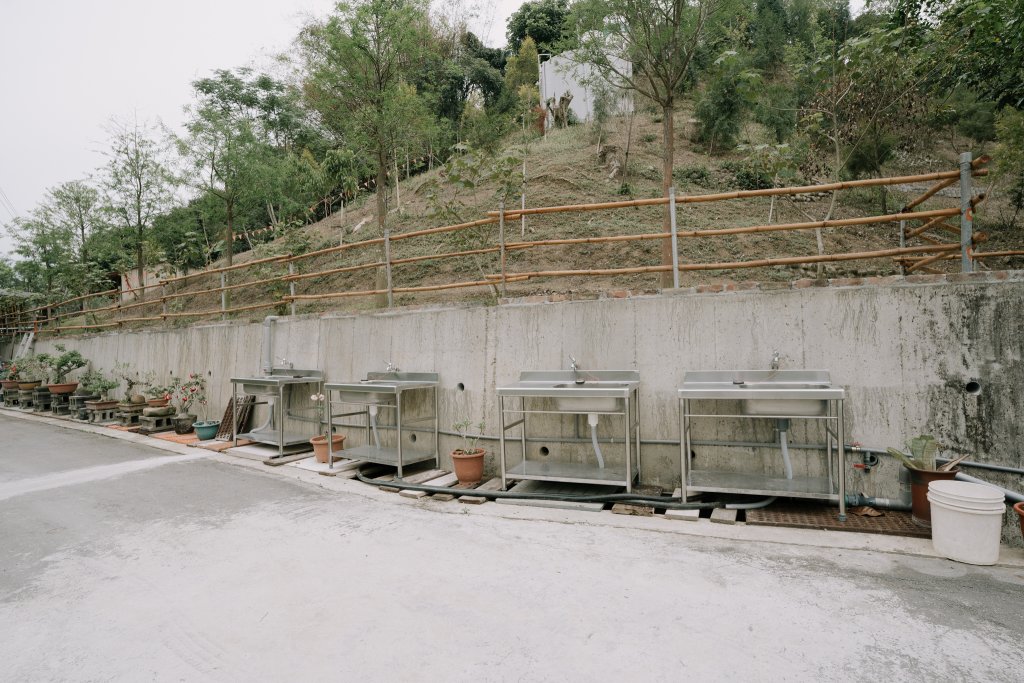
(692, 175)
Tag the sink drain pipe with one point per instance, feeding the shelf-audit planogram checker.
(373, 425)
(592, 421)
(656, 501)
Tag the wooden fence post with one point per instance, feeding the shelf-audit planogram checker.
(501, 245)
(387, 264)
(675, 236)
(291, 286)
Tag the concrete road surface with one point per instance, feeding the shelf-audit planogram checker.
(121, 562)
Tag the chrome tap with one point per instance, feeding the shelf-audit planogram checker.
(573, 365)
(391, 367)
(775, 360)
(285, 363)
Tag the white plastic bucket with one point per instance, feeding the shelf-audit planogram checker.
(967, 520)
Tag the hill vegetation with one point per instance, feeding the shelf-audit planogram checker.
(388, 115)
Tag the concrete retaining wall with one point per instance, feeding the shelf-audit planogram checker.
(905, 349)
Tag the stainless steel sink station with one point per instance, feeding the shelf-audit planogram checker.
(594, 393)
(384, 391)
(277, 389)
(782, 395)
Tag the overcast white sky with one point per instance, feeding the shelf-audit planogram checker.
(68, 66)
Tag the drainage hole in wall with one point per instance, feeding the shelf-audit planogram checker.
(973, 387)
(544, 450)
(460, 386)
(412, 437)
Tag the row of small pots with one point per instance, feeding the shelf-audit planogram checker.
(468, 466)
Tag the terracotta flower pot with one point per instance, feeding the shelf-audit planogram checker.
(469, 467)
(64, 388)
(157, 402)
(320, 445)
(921, 509)
(1019, 509)
(101, 404)
(9, 383)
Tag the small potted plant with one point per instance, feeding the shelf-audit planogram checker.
(186, 392)
(9, 375)
(468, 461)
(66, 362)
(99, 384)
(920, 462)
(32, 371)
(157, 395)
(127, 374)
(319, 442)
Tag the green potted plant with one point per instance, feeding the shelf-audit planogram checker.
(61, 365)
(919, 459)
(130, 376)
(33, 371)
(157, 395)
(468, 460)
(9, 375)
(319, 442)
(99, 384)
(186, 392)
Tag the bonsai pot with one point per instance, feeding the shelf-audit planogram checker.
(207, 429)
(1019, 509)
(157, 402)
(137, 399)
(320, 445)
(30, 384)
(469, 467)
(921, 509)
(9, 383)
(183, 423)
(64, 388)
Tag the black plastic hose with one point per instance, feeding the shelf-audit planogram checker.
(655, 501)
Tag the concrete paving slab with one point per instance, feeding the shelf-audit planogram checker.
(205, 570)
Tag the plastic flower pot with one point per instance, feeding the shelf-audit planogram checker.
(207, 429)
(1019, 509)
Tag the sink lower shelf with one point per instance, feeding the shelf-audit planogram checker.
(273, 437)
(575, 472)
(385, 455)
(760, 485)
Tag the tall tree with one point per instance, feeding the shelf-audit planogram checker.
(646, 46)
(542, 20)
(360, 63)
(137, 184)
(76, 206)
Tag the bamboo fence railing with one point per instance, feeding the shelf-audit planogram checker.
(194, 295)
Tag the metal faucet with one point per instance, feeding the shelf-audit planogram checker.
(285, 363)
(573, 365)
(391, 367)
(775, 360)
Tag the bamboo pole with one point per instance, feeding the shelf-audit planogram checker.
(402, 290)
(225, 269)
(218, 311)
(742, 194)
(759, 263)
(213, 290)
(930, 260)
(333, 271)
(998, 254)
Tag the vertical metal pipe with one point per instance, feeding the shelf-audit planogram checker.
(629, 453)
(842, 463)
(501, 243)
(684, 446)
(234, 414)
(675, 236)
(291, 285)
(966, 214)
(223, 295)
(330, 429)
(903, 243)
(437, 433)
(398, 430)
(501, 442)
(387, 263)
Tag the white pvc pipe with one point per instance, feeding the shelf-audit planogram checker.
(786, 462)
(373, 426)
(592, 421)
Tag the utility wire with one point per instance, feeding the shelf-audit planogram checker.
(7, 204)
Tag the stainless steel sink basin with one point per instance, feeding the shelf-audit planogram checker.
(381, 387)
(583, 391)
(270, 385)
(780, 393)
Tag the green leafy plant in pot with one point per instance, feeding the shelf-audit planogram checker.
(66, 362)
(130, 376)
(919, 459)
(186, 392)
(32, 370)
(97, 383)
(468, 460)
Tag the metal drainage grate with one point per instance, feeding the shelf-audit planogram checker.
(812, 516)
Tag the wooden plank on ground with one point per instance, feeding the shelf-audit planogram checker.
(492, 485)
(631, 509)
(687, 515)
(284, 460)
(346, 469)
(558, 489)
(421, 477)
(443, 481)
(408, 493)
